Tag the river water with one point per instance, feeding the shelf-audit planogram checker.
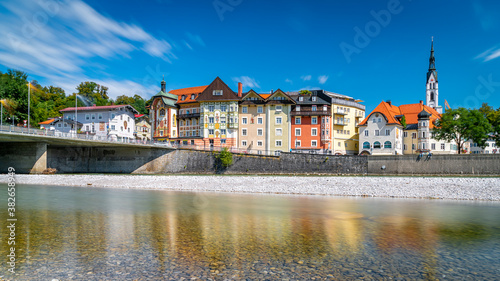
(72, 233)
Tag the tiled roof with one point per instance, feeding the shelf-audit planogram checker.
(187, 93)
(265, 96)
(217, 84)
(47, 122)
(410, 111)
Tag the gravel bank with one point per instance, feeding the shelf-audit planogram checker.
(403, 187)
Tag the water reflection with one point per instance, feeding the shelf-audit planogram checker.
(94, 234)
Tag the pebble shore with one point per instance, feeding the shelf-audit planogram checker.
(455, 188)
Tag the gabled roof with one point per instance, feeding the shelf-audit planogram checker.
(187, 92)
(103, 108)
(217, 84)
(410, 112)
(307, 99)
(252, 93)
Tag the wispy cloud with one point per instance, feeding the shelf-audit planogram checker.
(195, 39)
(247, 81)
(322, 79)
(306, 77)
(489, 54)
(288, 81)
(60, 39)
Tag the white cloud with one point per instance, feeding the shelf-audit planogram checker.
(247, 82)
(288, 81)
(58, 40)
(489, 54)
(195, 39)
(322, 79)
(306, 77)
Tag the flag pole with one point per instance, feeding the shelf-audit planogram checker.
(29, 97)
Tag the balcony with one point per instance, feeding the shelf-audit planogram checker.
(340, 123)
(304, 112)
(341, 112)
(325, 139)
(191, 115)
(233, 126)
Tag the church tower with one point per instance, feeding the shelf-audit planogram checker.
(432, 94)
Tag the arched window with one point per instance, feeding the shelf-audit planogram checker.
(366, 145)
(432, 96)
(376, 145)
(387, 144)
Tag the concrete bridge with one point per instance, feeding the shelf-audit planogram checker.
(34, 153)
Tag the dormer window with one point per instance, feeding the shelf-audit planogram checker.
(217, 92)
(297, 108)
(313, 98)
(183, 97)
(301, 98)
(192, 96)
(314, 108)
(324, 107)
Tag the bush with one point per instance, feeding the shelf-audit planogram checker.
(225, 157)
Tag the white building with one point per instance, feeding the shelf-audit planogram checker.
(110, 122)
(491, 148)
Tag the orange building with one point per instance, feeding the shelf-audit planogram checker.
(307, 116)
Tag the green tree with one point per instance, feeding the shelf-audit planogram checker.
(304, 92)
(462, 124)
(136, 101)
(94, 92)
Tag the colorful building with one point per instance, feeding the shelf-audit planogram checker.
(219, 115)
(190, 132)
(308, 114)
(142, 128)
(163, 113)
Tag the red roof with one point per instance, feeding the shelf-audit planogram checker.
(94, 107)
(187, 92)
(410, 111)
(138, 115)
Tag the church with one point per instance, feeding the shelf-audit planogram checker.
(406, 129)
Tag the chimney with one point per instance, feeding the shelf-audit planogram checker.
(421, 102)
(389, 102)
(240, 89)
(272, 91)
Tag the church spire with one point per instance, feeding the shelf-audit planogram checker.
(432, 60)
(163, 85)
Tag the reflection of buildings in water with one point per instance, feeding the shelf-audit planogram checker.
(404, 233)
(344, 231)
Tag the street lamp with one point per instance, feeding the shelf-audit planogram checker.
(29, 98)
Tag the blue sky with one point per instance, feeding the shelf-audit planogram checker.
(129, 45)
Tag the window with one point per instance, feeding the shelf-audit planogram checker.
(223, 108)
(161, 133)
(297, 120)
(324, 107)
(387, 144)
(314, 132)
(211, 108)
(413, 135)
(366, 133)
(413, 146)
(377, 132)
(243, 132)
(244, 120)
(278, 120)
(376, 145)
(297, 132)
(278, 143)
(112, 116)
(210, 120)
(314, 108)
(301, 98)
(345, 144)
(405, 147)
(65, 125)
(244, 143)
(222, 131)
(314, 120)
(87, 116)
(433, 146)
(210, 131)
(244, 109)
(297, 143)
(112, 127)
(260, 109)
(313, 98)
(387, 132)
(222, 119)
(297, 108)
(279, 108)
(183, 97)
(192, 96)
(405, 134)
(259, 143)
(259, 120)
(443, 146)
(314, 143)
(217, 92)
(279, 132)
(259, 132)
(93, 116)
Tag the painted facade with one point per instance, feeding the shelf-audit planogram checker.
(219, 115)
(142, 128)
(163, 113)
(190, 132)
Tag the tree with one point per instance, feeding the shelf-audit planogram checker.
(94, 92)
(304, 92)
(461, 125)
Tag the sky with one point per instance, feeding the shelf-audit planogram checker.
(366, 49)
